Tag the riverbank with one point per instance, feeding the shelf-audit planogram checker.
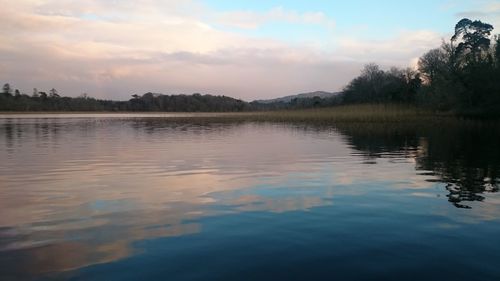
(345, 113)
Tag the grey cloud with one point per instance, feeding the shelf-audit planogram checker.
(471, 14)
(228, 73)
(488, 12)
(169, 50)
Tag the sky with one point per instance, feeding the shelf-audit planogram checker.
(245, 49)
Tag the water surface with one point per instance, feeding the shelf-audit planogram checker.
(137, 197)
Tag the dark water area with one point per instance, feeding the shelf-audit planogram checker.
(132, 197)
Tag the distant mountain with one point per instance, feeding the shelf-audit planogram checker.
(287, 99)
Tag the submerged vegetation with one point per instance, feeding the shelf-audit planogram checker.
(461, 77)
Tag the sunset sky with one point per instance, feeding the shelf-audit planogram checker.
(245, 49)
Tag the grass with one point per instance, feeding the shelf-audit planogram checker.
(347, 113)
(350, 113)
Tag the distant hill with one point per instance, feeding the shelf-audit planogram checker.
(287, 99)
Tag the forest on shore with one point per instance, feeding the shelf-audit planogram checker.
(461, 76)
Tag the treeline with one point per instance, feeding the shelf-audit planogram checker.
(13, 100)
(185, 103)
(462, 76)
(298, 103)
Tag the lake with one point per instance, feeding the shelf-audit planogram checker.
(156, 197)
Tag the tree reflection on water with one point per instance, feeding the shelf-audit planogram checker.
(463, 154)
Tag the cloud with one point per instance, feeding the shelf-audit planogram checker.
(399, 50)
(253, 20)
(114, 49)
(488, 12)
(471, 14)
(58, 46)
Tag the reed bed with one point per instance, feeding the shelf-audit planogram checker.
(348, 113)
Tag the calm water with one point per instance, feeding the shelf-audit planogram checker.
(148, 197)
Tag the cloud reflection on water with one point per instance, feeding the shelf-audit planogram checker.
(91, 188)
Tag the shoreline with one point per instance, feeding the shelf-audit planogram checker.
(392, 113)
(344, 113)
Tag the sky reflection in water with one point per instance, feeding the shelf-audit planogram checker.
(133, 198)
